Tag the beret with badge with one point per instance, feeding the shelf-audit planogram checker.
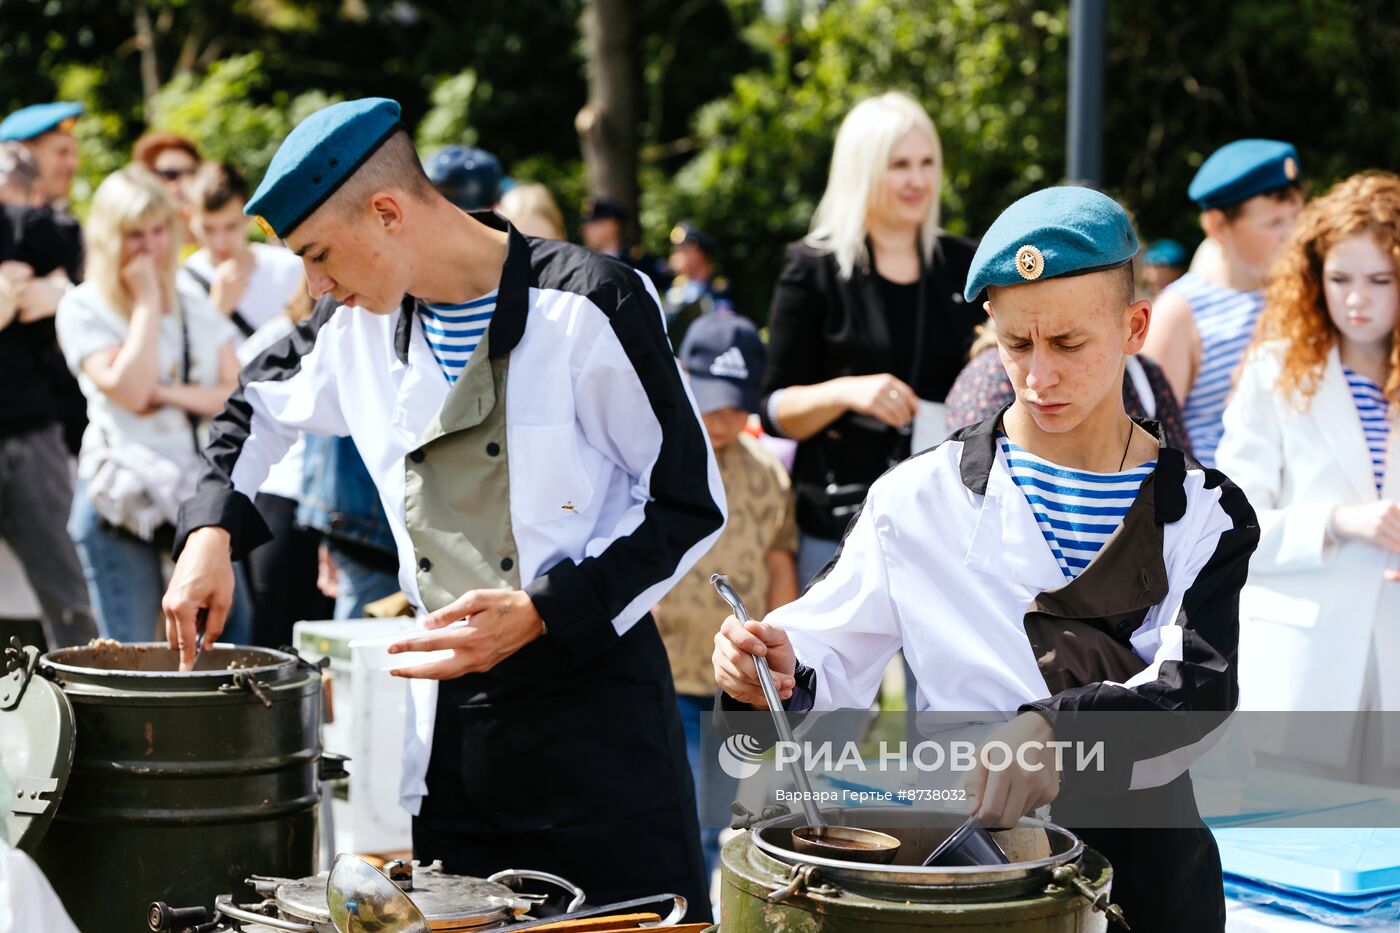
(1238, 171)
(1051, 233)
(38, 119)
(317, 157)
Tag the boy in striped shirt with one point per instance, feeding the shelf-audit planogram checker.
(1249, 194)
(1052, 563)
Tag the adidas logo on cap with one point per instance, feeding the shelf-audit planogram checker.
(730, 365)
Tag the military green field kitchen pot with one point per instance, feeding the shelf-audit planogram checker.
(181, 784)
(767, 885)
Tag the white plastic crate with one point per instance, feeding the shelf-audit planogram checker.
(369, 708)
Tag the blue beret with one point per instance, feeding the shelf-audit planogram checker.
(1050, 233)
(317, 157)
(1239, 170)
(28, 122)
(468, 177)
(1164, 253)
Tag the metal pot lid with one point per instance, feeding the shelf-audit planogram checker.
(920, 831)
(36, 745)
(448, 902)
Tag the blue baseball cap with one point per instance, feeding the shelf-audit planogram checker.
(1164, 253)
(468, 177)
(317, 157)
(38, 119)
(724, 357)
(1238, 171)
(1051, 233)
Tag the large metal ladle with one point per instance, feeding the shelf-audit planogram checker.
(847, 843)
(362, 899)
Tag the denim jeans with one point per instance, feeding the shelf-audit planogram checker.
(813, 554)
(695, 711)
(126, 581)
(359, 584)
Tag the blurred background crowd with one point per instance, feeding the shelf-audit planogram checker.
(807, 228)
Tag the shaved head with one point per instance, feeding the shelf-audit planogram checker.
(393, 166)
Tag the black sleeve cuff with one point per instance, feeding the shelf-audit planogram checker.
(803, 697)
(225, 508)
(571, 612)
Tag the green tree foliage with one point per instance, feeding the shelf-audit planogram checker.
(217, 110)
(991, 73)
(1182, 79)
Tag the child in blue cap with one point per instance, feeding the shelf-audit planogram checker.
(546, 478)
(1053, 561)
(1249, 193)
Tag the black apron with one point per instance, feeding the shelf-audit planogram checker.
(567, 766)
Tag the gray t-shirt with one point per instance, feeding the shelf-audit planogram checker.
(86, 325)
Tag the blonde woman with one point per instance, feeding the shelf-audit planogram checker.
(531, 208)
(1311, 437)
(152, 358)
(867, 319)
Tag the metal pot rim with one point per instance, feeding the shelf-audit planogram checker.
(56, 660)
(914, 875)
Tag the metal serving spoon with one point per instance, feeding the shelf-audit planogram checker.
(817, 837)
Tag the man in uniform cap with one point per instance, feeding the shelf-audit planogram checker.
(36, 484)
(695, 290)
(546, 477)
(1249, 194)
(1048, 564)
(602, 226)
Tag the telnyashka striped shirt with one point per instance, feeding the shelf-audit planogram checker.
(453, 331)
(1077, 511)
(1374, 410)
(1225, 319)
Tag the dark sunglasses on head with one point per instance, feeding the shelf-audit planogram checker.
(174, 174)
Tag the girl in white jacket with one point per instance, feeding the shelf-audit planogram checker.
(1311, 437)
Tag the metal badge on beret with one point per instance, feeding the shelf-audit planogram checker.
(1290, 168)
(265, 226)
(1029, 262)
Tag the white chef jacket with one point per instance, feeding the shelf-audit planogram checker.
(945, 560)
(598, 417)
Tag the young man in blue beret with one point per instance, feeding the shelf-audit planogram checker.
(1249, 193)
(546, 478)
(1054, 561)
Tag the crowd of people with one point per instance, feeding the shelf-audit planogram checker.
(1273, 360)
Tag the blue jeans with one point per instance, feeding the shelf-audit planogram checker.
(695, 710)
(125, 580)
(359, 584)
(813, 554)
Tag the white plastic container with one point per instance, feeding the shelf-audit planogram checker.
(369, 709)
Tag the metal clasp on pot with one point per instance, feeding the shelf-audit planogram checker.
(1068, 876)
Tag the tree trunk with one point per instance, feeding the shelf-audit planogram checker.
(150, 70)
(607, 125)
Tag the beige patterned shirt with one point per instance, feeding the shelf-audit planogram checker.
(761, 519)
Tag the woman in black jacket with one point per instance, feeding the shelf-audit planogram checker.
(868, 319)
